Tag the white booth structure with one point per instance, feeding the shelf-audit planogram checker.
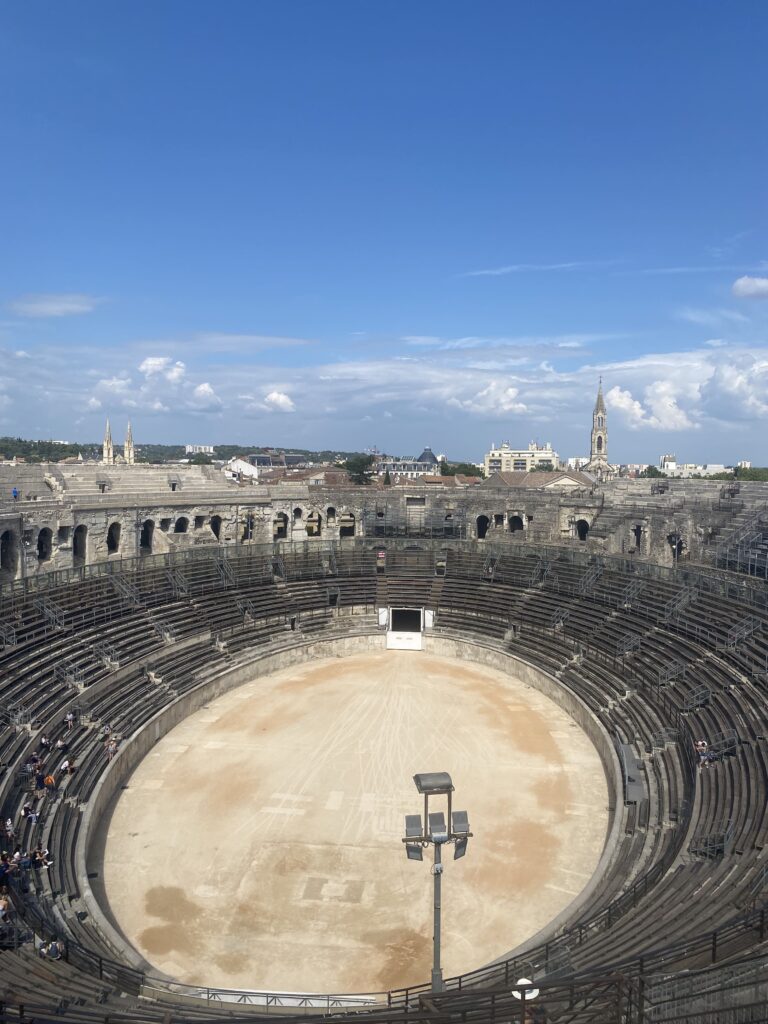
(405, 627)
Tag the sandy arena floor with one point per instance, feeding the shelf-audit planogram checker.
(258, 844)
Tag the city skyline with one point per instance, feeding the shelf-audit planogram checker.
(345, 227)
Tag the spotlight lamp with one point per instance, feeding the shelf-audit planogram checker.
(437, 829)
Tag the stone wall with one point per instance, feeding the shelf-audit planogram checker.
(154, 510)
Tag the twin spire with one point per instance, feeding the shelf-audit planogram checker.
(108, 451)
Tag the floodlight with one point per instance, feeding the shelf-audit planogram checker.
(437, 823)
(433, 783)
(413, 826)
(460, 821)
(460, 848)
(414, 852)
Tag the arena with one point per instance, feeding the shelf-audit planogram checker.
(123, 642)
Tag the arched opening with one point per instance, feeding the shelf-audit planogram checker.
(9, 555)
(448, 525)
(582, 529)
(80, 545)
(181, 525)
(676, 543)
(314, 524)
(347, 525)
(483, 522)
(44, 544)
(280, 526)
(297, 514)
(145, 540)
(330, 516)
(638, 534)
(165, 525)
(248, 527)
(216, 526)
(599, 442)
(515, 524)
(199, 522)
(113, 539)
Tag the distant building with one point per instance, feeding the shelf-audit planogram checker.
(409, 468)
(669, 465)
(744, 464)
(505, 459)
(199, 449)
(240, 469)
(575, 462)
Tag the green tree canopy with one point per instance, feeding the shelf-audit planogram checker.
(359, 468)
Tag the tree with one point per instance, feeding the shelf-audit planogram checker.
(387, 479)
(651, 473)
(201, 459)
(460, 469)
(359, 468)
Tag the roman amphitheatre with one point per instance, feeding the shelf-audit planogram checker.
(275, 664)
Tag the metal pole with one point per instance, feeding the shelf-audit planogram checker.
(437, 974)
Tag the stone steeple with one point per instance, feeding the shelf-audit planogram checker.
(108, 453)
(128, 450)
(598, 449)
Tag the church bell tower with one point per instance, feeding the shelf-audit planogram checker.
(598, 450)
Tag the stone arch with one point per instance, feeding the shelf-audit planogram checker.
(181, 525)
(347, 524)
(216, 526)
(297, 514)
(676, 543)
(515, 524)
(280, 526)
(482, 524)
(44, 544)
(80, 545)
(9, 555)
(146, 536)
(314, 524)
(581, 527)
(330, 516)
(448, 525)
(248, 527)
(113, 538)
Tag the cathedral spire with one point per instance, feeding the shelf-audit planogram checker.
(600, 404)
(599, 442)
(107, 451)
(128, 450)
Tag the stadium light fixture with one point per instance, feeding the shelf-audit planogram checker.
(436, 829)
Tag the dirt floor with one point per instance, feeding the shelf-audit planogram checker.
(258, 844)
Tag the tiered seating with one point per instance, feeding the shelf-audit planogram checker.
(659, 660)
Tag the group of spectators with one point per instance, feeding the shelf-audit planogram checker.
(706, 757)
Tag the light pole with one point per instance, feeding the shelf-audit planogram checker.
(437, 830)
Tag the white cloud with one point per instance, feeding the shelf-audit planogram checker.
(661, 411)
(115, 385)
(21, 354)
(204, 397)
(279, 401)
(50, 305)
(523, 268)
(93, 403)
(738, 388)
(711, 317)
(493, 400)
(751, 287)
(154, 366)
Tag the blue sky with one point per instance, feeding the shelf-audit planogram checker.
(348, 224)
